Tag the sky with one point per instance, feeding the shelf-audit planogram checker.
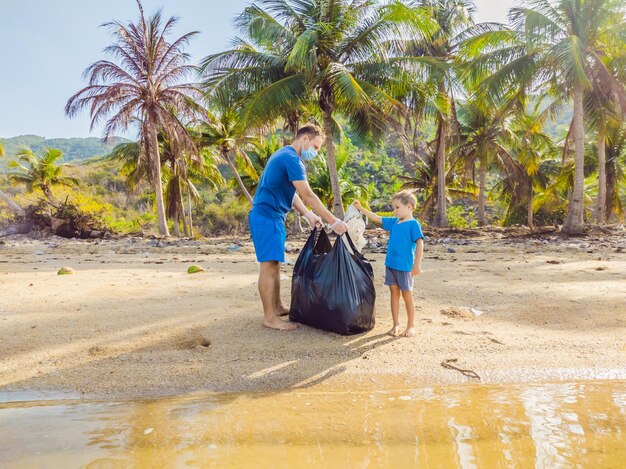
(45, 45)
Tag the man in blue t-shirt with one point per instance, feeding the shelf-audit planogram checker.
(284, 175)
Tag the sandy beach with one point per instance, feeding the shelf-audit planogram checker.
(132, 322)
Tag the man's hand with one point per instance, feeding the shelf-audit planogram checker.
(357, 204)
(314, 220)
(416, 270)
(339, 226)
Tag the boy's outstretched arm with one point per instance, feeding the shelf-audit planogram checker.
(417, 263)
(370, 215)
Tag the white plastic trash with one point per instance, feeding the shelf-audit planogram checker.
(356, 226)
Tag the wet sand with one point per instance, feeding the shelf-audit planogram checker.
(132, 322)
(545, 425)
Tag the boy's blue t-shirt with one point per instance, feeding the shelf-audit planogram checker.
(275, 192)
(401, 246)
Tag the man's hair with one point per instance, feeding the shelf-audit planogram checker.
(311, 130)
(405, 197)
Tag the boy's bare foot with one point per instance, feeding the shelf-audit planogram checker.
(394, 332)
(282, 311)
(410, 332)
(279, 324)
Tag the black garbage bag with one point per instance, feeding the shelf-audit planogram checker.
(332, 288)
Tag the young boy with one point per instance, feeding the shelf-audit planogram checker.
(404, 256)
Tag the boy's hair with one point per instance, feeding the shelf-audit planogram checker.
(311, 130)
(405, 197)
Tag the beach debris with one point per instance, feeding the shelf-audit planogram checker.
(147, 431)
(195, 269)
(66, 271)
(451, 250)
(553, 261)
(233, 247)
(474, 311)
(448, 363)
(356, 227)
(283, 277)
(291, 249)
(460, 312)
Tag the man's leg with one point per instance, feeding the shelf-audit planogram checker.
(278, 303)
(269, 289)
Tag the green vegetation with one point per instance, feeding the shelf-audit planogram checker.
(521, 123)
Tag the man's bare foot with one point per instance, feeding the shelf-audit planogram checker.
(279, 324)
(282, 311)
(410, 332)
(394, 332)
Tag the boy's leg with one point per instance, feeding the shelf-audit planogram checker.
(268, 275)
(395, 309)
(407, 295)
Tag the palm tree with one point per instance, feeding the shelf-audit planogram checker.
(614, 174)
(558, 49)
(40, 172)
(605, 110)
(333, 52)
(529, 148)
(145, 88)
(483, 136)
(320, 181)
(180, 174)
(225, 137)
(453, 18)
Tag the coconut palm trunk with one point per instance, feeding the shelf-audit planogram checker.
(190, 215)
(482, 174)
(233, 168)
(48, 193)
(574, 220)
(530, 212)
(176, 225)
(332, 164)
(183, 216)
(155, 167)
(600, 209)
(11, 204)
(441, 216)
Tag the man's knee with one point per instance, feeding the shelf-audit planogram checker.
(270, 267)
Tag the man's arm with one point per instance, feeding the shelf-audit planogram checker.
(308, 197)
(298, 206)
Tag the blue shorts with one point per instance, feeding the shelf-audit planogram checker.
(268, 237)
(404, 280)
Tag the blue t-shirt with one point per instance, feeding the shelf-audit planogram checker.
(402, 239)
(275, 192)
